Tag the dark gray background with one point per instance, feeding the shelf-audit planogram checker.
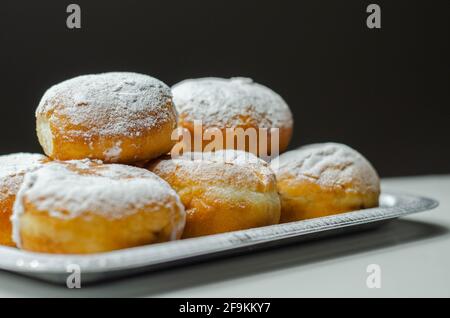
(384, 92)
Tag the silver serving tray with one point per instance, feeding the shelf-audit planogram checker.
(105, 266)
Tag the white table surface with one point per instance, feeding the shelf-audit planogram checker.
(413, 253)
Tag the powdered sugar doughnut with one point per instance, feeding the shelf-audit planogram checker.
(222, 191)
(233, 103)
(324, 179)
(12, 170)
(80, 207)
(114, 117)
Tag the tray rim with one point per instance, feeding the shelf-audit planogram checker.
(29, 263)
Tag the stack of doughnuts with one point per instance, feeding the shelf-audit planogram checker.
(116, 175)
(87, 197)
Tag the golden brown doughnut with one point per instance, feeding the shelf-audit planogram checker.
(323, 179)
(113, 117)
(222, 191)
(79, 207)
(12, 170)
(236, 103)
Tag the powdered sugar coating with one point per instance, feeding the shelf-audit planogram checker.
(13, 168)
(230, 156)
(113, 153)
(330, 165)
(107, 104)
(72, 188)
(242, 169)
(222, 103)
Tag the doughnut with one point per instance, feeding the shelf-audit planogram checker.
(113, 117)
(324, 179)
(223, 191)
(233, 103)
(83, 206)
(12, 170)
